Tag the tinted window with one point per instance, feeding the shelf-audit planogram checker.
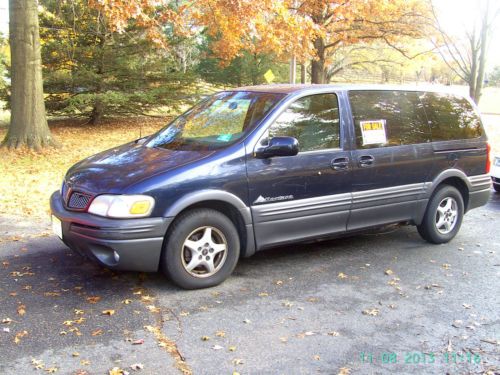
(313, 120)
(451, 117)
(388, 118)
(216, 122)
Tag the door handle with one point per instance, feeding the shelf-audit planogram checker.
(366, 161)
(340, 164)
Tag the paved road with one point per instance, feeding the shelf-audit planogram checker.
(326, 308)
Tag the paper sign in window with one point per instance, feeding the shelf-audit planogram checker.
(373, 132)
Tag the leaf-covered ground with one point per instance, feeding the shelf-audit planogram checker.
(28, 178)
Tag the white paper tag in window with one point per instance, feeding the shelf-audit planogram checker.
(373, 132)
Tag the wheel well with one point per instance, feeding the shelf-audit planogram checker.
(460, 185)
(231, 212)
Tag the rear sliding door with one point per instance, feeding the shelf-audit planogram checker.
(392, 156)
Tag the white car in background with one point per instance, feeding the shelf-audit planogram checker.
(495, 173)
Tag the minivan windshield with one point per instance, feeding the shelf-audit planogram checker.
(216, 122)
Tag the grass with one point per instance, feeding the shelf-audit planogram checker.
(28, 178)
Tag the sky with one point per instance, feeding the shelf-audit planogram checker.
(454, 15)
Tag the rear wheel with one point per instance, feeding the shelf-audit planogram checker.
(201, 250)
(443, 217)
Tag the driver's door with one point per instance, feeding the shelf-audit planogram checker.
(307, 195)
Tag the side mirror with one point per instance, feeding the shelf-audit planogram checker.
(278, 146)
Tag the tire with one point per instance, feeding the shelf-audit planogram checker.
(443, 217)
(497, 188)
(202, 249)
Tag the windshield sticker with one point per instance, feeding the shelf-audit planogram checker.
(373, 132)
(224, 137)
(221, 117)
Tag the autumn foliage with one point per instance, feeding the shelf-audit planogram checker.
(307, 29)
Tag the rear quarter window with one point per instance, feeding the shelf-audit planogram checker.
(451, 117)
(388, 118)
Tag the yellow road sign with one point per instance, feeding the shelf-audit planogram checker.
(269, 76)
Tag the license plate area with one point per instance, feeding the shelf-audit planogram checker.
(57, 226)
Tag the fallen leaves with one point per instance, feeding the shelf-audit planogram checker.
(220, 334)
(117, 371)
(342, 275)
(93, 299)
(153, 309)
(147, 298)
(205, 338)
(52, 294)
(371, 312)
(37, 364)
(389, 272)
(108, 312)
(97, 332)
(19, 336)
(304, 334)
(171, 347)
(137, 366)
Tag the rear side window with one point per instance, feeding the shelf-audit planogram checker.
(451, 117)
(313, 120)
(388, 118)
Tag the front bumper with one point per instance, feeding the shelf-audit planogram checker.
(123, 244)
(495, 174)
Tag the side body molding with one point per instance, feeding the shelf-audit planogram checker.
(218, 195)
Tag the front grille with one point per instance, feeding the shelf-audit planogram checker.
(78, 201)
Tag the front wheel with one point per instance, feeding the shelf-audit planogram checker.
(202, 249)
(497, 188)
(443, 217)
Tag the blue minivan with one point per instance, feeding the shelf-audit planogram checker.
(257, 167)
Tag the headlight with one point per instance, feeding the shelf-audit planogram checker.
(122, 206)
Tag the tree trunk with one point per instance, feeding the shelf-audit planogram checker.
(303, 73)
(98, 109)
(28, 122)
(318, 73)
(482, 57)
(473, 69)
(97, 112)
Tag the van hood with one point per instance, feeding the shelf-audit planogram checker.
(114, 170)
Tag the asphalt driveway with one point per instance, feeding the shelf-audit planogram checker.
(384, 302)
